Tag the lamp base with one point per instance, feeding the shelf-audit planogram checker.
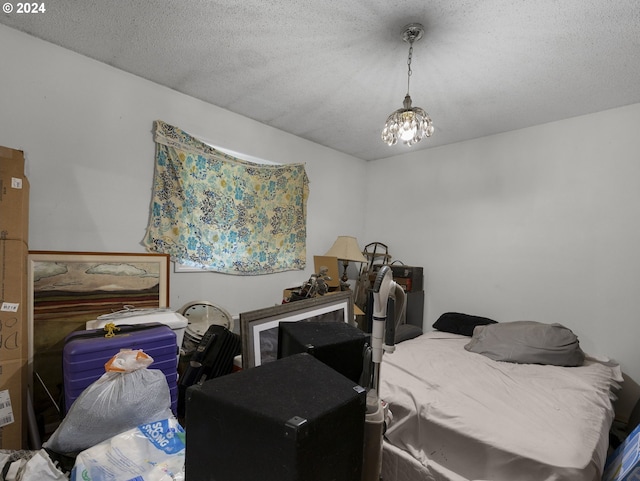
(344, 280)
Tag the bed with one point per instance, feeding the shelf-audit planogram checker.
(459, 415)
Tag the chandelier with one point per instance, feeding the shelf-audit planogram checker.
(408, 124)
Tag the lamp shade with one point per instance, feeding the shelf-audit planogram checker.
(346, 248)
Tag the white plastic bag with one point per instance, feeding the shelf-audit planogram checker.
(29, 466)
(151, 452)
(41, 468)
(127, 395)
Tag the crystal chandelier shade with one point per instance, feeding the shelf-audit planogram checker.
(408, 124)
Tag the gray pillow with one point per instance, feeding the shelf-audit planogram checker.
(527, 342)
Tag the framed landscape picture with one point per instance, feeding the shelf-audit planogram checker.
(67, 289)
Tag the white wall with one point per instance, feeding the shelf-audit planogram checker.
(85, 128)
(540, 224)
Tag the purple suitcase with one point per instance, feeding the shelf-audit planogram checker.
(86, 352)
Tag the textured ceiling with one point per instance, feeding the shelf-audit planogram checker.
(332, 71)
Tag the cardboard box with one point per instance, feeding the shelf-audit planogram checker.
(13, 412)
(13, 343)
(13, 300)
(14, 196)
(624, 463)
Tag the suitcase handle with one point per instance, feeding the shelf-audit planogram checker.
(121, 328)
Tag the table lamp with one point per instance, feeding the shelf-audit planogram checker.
(346, 249)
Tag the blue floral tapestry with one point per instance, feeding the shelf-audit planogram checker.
(217, 212)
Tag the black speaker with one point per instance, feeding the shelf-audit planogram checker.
(337, 344)
(293, 419)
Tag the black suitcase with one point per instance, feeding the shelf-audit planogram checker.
(293, 419)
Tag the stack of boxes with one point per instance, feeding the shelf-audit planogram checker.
(14, 224)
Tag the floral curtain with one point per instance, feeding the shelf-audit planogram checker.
(217, 212)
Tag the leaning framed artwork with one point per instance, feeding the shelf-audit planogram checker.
(331, 265)
(259, 328)
(67, 289)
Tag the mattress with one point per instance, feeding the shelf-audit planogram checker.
(460, 416)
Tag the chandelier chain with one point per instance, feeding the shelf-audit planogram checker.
(409, 71)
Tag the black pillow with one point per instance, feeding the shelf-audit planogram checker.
(457, 323)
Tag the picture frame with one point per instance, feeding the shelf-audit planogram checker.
(259, 328)
(67, 289)
(331, 263)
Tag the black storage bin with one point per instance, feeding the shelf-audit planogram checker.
(337, 344)
(293, 419)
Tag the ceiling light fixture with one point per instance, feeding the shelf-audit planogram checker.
(408, 124)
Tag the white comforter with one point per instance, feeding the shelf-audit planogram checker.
(462, 416)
